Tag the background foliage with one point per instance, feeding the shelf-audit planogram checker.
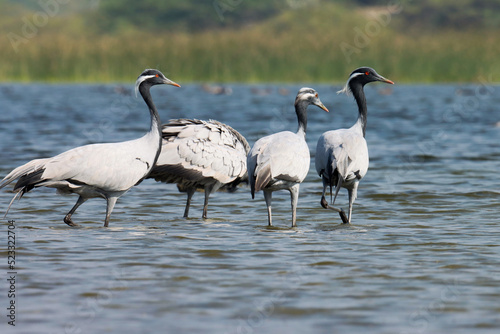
(249, 41)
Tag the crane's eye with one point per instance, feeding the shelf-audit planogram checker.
(367, 73)
(158, 75)
(316, 95)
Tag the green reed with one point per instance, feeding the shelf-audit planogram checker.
(279, 50)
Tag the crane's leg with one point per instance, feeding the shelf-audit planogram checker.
(337, 188)
(353, 193)
(208, 191)
(67, 218)
(294, 194)
(190, 192)
(109, 209)
(325, 205)
(268, 196)
(343, 216)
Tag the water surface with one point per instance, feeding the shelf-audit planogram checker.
(421, 256)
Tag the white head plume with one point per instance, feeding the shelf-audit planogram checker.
(140, 80)
(346, 89)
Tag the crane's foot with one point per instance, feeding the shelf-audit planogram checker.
(343, 216)
(69, 222)
(324, 203)
(341, 212)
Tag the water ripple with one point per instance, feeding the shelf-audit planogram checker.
(422, 254)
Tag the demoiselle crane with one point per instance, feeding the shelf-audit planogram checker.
(281, 160)
(198, 154)
(97, 170)
(342, 155)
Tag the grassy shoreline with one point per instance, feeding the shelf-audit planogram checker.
(272, 52)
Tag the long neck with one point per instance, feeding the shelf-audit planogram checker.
(359, 96)
(301, 111)
(155, 129)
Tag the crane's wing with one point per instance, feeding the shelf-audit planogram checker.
(344, 151)
(255, 162)
(110, 167)
(281, 156)
(195, 150)
(31, 172)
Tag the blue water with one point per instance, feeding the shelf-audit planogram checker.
(422, 254)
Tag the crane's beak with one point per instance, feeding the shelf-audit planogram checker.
(170, 82)
(322, 106)
(381, 78)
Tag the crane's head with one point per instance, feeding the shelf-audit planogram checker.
(362, 76)
(151, 77)
(309, 96)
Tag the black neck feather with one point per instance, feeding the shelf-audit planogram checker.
(301, 111)
(359, 96)
(155, 117)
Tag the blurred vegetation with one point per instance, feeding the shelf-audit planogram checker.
(174, 15)
(461, 15)
(249, 41)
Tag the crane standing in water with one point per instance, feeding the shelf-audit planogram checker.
(342, 155)
(281, 160)
(98, 170)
